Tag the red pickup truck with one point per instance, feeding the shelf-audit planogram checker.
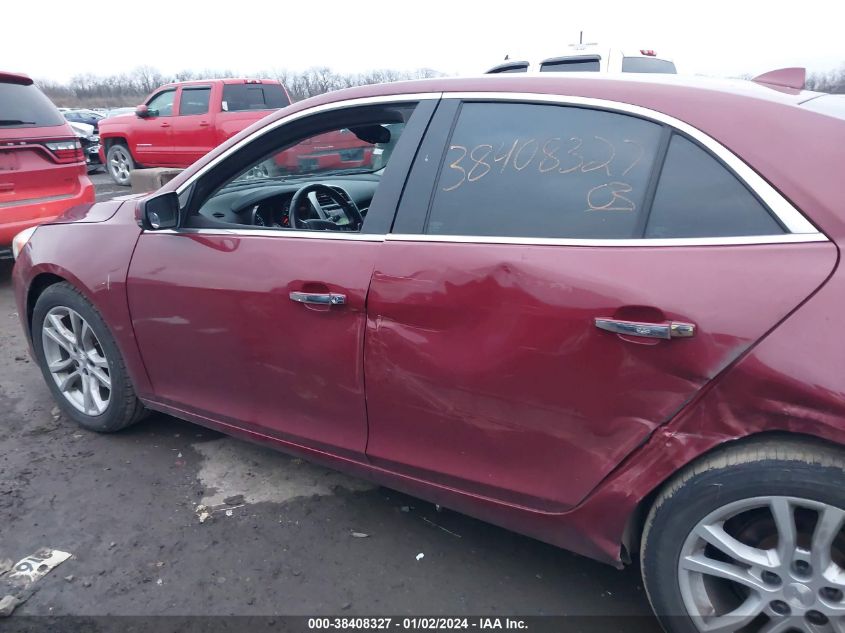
(181, 122)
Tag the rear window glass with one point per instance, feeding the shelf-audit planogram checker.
(26, 106)
(698, 197)
(525, 170)
(572, 65)
(647, 65)
(194, 100)
(238, 97)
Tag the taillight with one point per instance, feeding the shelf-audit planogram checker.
(647, 52)
(66, 151)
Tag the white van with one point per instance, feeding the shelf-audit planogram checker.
(592, 58)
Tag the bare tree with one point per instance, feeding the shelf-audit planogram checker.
(128, 89)
(832, 81)
(146, 78)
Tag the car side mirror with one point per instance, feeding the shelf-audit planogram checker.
(160, 212)
(142, 111)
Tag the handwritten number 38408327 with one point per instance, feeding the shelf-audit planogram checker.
(474, 164)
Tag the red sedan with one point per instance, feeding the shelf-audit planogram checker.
(603, 312)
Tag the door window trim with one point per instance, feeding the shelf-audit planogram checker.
(184, 190)
(314, 235)
(184, 89)
(326, 107)
(790, 217)
(799, 228)
(783, 238)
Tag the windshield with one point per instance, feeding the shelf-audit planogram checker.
(26, 106)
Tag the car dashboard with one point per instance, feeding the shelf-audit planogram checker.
(267, 204)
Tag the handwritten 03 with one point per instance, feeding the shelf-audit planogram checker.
(473, 164)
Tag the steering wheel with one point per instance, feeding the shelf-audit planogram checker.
(255, 217)
(356, 220)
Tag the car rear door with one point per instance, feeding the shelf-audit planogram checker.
(560, 281)
(194, 134)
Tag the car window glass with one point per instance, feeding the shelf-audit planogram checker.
(238, 97)
(698, 197)
(162, 104)
(524, 170)
(23, 105)
(351, 160)
(329, 151)
(194, 100)
(514, 67)
(574, 65)
(647, 65)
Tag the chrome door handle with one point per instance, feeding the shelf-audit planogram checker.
(668, 330)
(319, 298)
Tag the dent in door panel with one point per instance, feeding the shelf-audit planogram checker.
(485, 370)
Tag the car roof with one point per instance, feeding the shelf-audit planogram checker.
(626, 87)
(764, 124)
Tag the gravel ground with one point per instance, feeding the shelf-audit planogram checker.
(125, 507)
(106, 187)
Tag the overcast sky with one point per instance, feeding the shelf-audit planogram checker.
(50, 40)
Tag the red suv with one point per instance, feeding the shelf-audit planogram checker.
(42, 168)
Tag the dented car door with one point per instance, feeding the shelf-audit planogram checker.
(560, 282)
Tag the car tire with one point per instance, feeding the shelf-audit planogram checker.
(752, 493)
(119, 163)
(81, 363)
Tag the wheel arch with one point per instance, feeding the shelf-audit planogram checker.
(121, 139)
(37, 286)
(111, 140)
(122, 406)
(115, 140)
(632, 535)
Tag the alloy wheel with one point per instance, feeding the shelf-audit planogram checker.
(119, 164)
(76, 360)
(766, 564)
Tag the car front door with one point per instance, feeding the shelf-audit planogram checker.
(153, 134)
(193, 129)
(245, 322)
(562, 280)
